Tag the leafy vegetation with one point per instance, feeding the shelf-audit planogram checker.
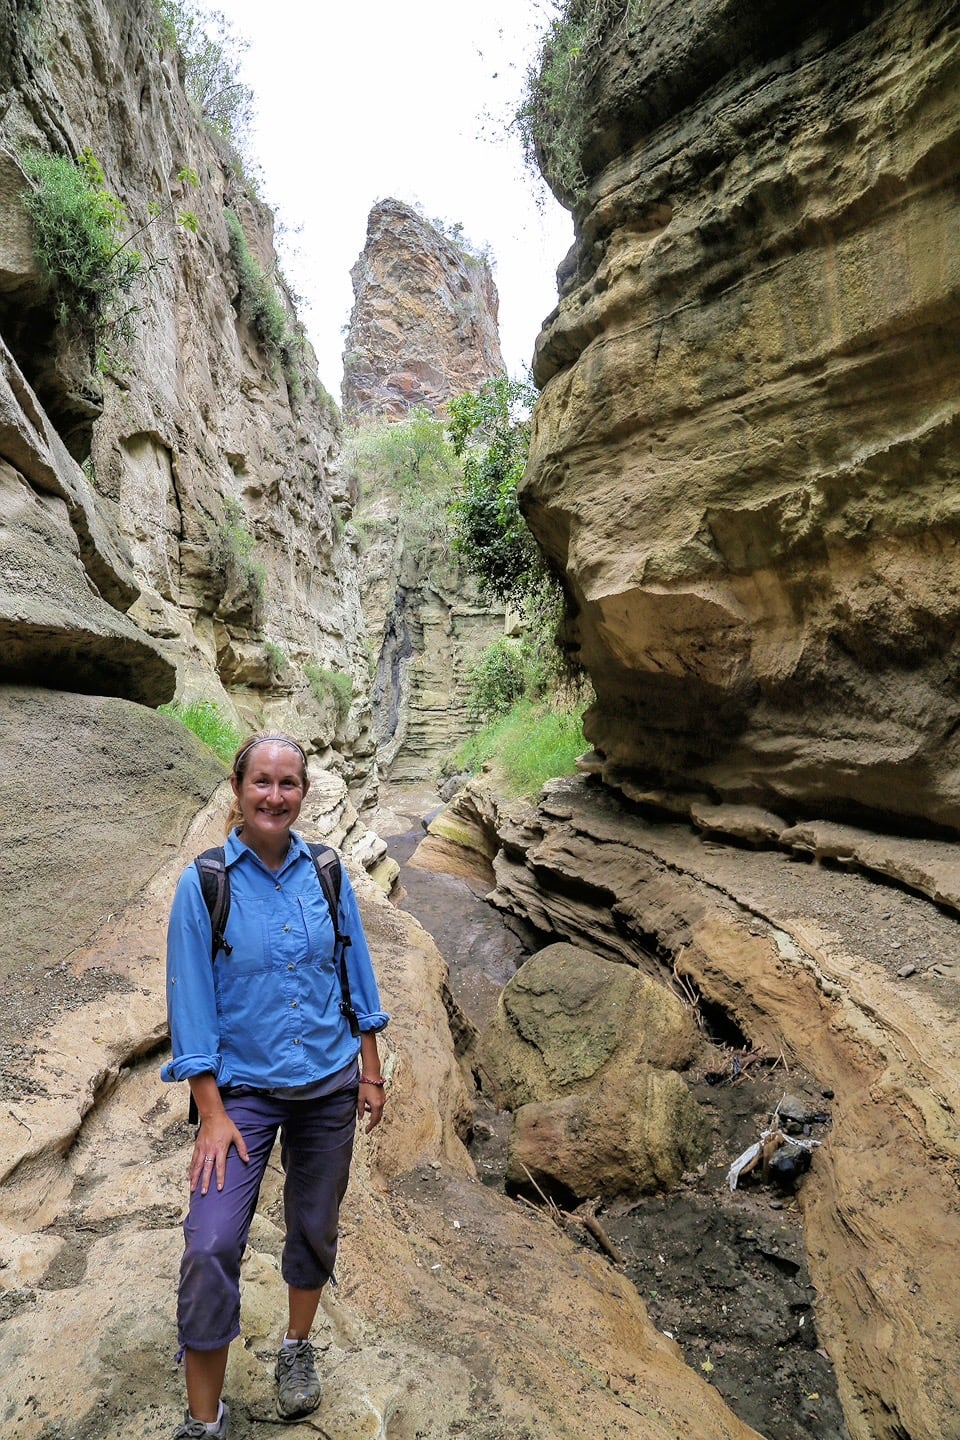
(530, 744)
(211, 57)
(261, 306)
(232, 547)
(210, 723)
(332, 685)
(497, 679)
(552, 116)
(413, 461)
(490, 432)
(78, 228)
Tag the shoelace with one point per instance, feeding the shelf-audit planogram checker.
(296, 1361)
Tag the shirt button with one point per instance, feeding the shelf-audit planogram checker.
(276, 887)
(294, 1004)
(286, 929)
(291, 967)
(296, 1042)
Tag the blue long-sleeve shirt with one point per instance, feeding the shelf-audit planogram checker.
(268, 1013)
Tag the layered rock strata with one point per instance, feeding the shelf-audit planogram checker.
(745, 455)
(808, 964)
(172, 519)
(426, 625)
(424, 321)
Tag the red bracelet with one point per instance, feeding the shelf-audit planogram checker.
(369, 1080)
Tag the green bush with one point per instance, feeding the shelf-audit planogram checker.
(209, 723)
(552, 115)
(414, 461)
(78, 227)
(490, 431)
(333, 685)
(261, 307)
(531, 744)
(232, 547)
(496, 680)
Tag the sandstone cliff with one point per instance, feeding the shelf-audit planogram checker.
(423, 329)
(171, 517)
(424, 320)
(746, 451)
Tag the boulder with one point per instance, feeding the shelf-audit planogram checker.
(569, 1021)
(618, 1141)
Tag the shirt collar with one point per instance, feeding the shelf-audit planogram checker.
(234, 848)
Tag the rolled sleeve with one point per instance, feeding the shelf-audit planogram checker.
(191, 997)
(363, 983)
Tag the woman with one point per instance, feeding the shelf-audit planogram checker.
(258, 1032)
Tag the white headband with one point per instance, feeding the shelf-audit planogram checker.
(270, 740)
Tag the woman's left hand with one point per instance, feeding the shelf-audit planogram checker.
(370, 1102)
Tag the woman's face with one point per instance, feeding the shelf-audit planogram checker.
(270, 794)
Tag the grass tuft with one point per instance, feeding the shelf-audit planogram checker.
(208, 721)
(529, 745)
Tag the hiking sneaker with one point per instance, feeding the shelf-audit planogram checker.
(196, 1430)
(298, 1384)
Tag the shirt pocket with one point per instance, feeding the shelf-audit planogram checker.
(248, 932)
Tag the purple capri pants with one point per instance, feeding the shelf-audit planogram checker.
(316, 1147)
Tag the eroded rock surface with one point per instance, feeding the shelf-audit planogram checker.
(745, 455)
(424, 322)
(172, 518)
(806, 963)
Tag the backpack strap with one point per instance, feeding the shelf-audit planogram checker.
(329, 873)
(215, 884)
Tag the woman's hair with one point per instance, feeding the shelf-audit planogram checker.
(241, 760)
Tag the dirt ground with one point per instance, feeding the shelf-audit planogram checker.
(722, 1272)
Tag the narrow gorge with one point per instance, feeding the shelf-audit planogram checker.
(744, 473)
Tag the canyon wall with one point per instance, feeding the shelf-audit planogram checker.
(172, 521)
(422, 330)
(745, 457)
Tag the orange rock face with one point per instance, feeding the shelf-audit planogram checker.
(424, 320)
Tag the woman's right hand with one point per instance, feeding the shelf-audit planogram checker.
(213, 1141)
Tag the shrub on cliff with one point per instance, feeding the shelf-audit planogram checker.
(552, 114)
(490, 432)
(331, 685)
(211, 63)
(260, 305)
(78, 227)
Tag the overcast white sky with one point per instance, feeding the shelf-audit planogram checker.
(356, 102)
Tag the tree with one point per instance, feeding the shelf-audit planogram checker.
(212, 57)
(490, 430)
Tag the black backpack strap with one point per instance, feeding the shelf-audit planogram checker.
(215, 884)
(329, 873)
(215, 887)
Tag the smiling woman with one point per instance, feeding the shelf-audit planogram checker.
(269, 1012)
